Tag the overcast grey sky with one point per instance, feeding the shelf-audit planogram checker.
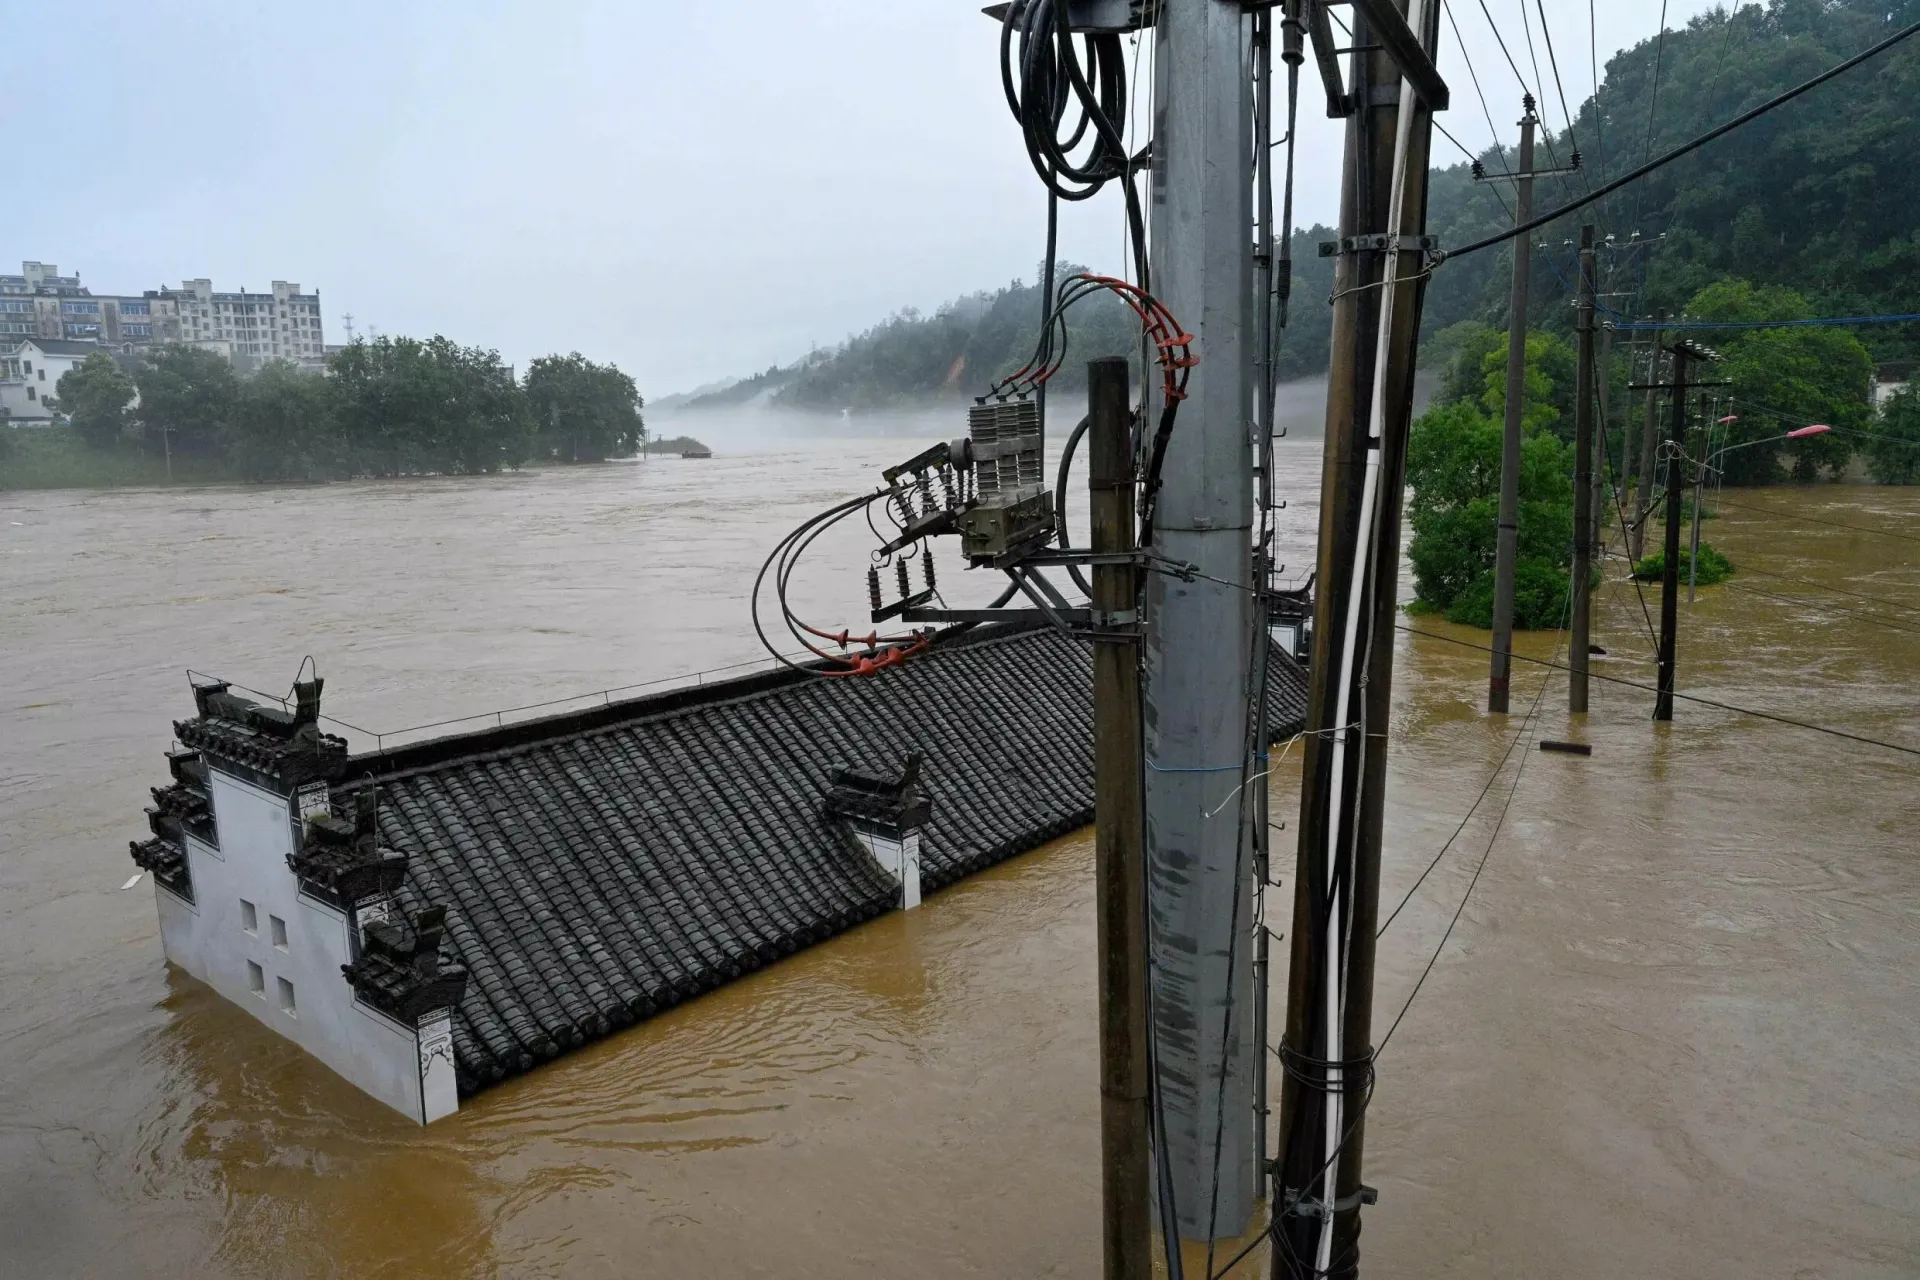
(688, 190)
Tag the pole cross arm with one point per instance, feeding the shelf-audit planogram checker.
(1387, 25)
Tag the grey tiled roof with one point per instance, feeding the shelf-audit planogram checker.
(599, 868)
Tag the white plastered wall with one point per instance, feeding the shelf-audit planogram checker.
(409, 1069)
(899, 858)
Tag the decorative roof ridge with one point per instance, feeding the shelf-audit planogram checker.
(525, 736)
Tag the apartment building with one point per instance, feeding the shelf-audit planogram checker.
(284, 324)
(248, 328)
(42, 303)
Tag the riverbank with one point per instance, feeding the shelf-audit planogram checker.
(57, 458)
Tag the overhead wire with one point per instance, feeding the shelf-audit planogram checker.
(1690, 146)
(1684, 697)
(1498, 148)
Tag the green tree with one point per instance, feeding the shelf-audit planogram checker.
(1893, 453)
(404, 406)
(585, 412)
(187, 394)
(1784, 378)
(283, 426)
(1453, 469)
(95, 394)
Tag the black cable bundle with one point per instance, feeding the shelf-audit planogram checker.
(1067, 96)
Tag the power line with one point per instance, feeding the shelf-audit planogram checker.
(1824, 586)
(1838, 524)
(1525, 87)
(1553, 61)
(1687, 148)
(1653, 99)
(1524, 730)
(1899, 318)
(1593, 58)
(1684, 697)
(1861, 614)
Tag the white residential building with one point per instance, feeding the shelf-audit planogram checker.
(252, 327)
(30, 372)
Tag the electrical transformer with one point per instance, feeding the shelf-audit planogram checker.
(1013, 511)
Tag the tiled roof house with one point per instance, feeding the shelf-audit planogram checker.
(437, 917)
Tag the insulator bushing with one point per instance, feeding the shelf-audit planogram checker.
(906, 585)
(873, 588)
(926, 566)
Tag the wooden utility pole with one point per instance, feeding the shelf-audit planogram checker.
(1643, 496)
(1327, 1044)
(1583, 473)
(1507, 544)
(1119, 837)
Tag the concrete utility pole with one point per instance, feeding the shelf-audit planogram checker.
(1649, 420)
(1327, 1045)
(1583, 474)
(1119, 835)
(1200, 635)
(1507, 546)
(1670, 572)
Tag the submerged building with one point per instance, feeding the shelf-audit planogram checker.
(430, 919)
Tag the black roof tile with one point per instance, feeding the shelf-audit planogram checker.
(599, 867)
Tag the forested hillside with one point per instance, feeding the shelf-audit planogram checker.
(1821, 197)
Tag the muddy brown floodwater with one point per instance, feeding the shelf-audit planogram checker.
(1674, 1033)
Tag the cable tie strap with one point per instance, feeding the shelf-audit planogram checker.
(1296, 1205)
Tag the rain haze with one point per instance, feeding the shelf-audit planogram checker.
(692, 192)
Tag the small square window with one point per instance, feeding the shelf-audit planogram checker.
(249, 917)
(279, 931)
(286, 995)
(256, 979)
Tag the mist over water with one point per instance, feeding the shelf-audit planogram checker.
(1672, 1034)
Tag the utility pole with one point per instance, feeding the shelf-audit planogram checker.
(1682, 351)
(1670, 572)
(1507, 545)
(1119, 834)
(1378, 285)
(1200, 635)
(1643, 497)
(1583, 474)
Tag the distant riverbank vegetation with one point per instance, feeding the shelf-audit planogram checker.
(386, 407)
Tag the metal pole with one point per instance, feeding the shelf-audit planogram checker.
(1119, 835)
(1343, 788)
(1670, 575)
(1263, 251)
(1643, 498)
(1507, 548)
(1200, 634)
(1583, 471)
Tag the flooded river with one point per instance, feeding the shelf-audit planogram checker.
(1675, 1031)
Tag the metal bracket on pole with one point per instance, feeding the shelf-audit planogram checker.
(1380, 242)
(1388, 25)
(1299, 1206)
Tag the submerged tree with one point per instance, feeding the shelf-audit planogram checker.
(1893, 451)
(95, 394)
(1453, 472)
(187, 398)
(404, 406)
(585, 412)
